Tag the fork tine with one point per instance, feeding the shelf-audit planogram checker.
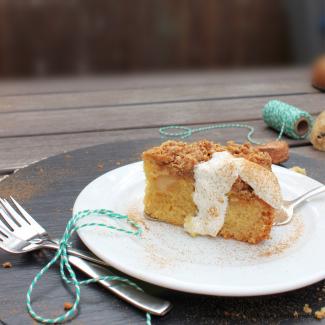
(4, 230)
(6, 217)
(12, 212)
(27, 216)
(2, 237)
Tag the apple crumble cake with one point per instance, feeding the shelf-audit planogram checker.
(211, 189)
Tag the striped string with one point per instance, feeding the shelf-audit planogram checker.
(276, 114)
(186, 132)
(279, 115)
(67, 273)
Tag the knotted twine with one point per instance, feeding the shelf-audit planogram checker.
(285, 118)
(68, 274)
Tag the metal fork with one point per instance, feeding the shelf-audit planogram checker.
(25, 227)
(285, 214)
(23, 234)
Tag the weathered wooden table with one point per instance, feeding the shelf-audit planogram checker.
(121, 115)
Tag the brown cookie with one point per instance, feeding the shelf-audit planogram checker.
(278, 150)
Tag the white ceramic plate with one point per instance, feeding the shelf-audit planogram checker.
(167, 256)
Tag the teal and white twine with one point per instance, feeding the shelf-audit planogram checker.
(68, 274)
(294, 122)
(284, 118)
(187, 131)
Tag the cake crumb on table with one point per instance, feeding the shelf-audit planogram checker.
(320, 314)
(307, 309)
(299, 170)
(100, 166)
(67, 305)
(7, 265)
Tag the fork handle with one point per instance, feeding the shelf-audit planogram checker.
(315, 191)
(133, 296)
(51, 244)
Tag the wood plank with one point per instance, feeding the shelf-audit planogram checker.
(23, 151)
(148, 95)
(310, 152)
(289, 80)
(113, 118)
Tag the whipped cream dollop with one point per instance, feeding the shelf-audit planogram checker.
(215, 178)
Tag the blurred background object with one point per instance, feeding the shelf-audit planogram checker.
(73, 37)
(306, 21)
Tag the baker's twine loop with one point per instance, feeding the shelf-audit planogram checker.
(67, 273)
(276, 114)
(187, 131)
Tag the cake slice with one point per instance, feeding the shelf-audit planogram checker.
(211, 189)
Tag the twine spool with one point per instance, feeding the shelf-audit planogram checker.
(287, 119)
(284, 118)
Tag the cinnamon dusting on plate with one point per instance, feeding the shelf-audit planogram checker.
(137, 216)
(160, 261)
(284, 244)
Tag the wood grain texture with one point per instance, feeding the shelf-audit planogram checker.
(136, 97)
(142, 116)
(310, 152)
(21, 151)
(53, 185)
(285, 80)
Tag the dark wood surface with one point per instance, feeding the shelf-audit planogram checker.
(121, 115)
(48, 189)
